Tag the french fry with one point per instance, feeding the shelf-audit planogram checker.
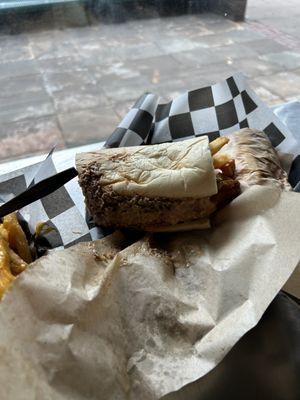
(16, 237)
(6, 277)
(228, 169)
(220, 160)
(17, 265)
(3, 233)
(225, 164)
(217, 144)
(12, 238)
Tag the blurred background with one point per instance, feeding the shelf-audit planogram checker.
(70, 70)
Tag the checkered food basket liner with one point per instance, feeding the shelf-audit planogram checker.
(215, 111)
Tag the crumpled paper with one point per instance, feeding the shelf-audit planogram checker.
(108, 320)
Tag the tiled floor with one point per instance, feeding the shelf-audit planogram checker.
(69, 85)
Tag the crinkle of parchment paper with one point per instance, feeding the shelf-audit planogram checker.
(112, 320)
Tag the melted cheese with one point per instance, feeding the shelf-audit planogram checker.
(174, 170)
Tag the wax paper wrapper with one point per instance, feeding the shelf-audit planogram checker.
(99, 322)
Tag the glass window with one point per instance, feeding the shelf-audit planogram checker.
(70, 70)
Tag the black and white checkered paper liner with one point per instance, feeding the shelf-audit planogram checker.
(216, 110)
(64, 210)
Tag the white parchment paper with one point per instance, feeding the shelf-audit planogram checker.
(104, 320)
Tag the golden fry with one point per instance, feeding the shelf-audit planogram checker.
(3, 233)
(14, 251)
(17, 265)
(6, 277)
(228, 169)
(220, 160)
(16, 237)
(217, 144)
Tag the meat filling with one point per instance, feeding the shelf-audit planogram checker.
(112, 210)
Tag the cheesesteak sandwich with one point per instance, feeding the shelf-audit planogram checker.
(175, 186)
(164, 187)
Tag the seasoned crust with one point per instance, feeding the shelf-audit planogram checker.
(110, 209)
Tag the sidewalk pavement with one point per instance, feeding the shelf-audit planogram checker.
(71, 85)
